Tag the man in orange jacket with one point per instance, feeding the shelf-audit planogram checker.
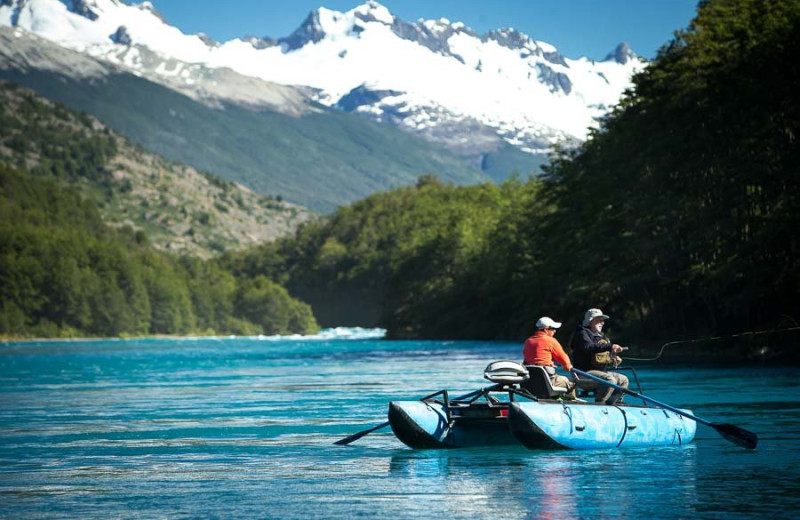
(542, 349)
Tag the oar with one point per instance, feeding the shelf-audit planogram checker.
(356, 436)
(731, 432)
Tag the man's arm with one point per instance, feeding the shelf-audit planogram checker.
(560, 356)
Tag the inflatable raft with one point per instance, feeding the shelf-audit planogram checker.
(522, 408)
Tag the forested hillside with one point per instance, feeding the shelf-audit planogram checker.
(86, 218)
(181, 210)
(679, 216)
(682, 212)
(434, 260)
(63, 272)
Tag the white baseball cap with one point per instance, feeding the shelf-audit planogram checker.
(592, 314)
(547, 323)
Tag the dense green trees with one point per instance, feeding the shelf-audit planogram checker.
(267, 304)
(686, 200)
(64, 273)
(66, 144)
(429, 260)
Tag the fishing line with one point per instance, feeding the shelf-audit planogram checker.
(711, 338)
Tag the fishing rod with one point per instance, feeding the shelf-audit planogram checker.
(710, 338)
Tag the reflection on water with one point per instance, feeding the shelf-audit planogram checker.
(553, 484)
(245, 428)
(553, 495)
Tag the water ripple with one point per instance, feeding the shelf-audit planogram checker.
(244, 427)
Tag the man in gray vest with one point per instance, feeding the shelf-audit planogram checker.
(594, 353)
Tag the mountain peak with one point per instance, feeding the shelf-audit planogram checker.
(372, 11)
(323, 22)
(622, 54)
(438, 27)
(150, 8)
(260, 43)
(442, 29)
(310, 31)
(510, 38)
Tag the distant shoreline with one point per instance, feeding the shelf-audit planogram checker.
(332, 333)
(779, 351)
(4, 339)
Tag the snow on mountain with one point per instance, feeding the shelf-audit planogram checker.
(432, 77)
(90, 27)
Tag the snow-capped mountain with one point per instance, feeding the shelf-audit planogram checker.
(435, 78)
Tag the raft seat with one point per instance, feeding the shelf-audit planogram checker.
(539, 384)
(506, 373)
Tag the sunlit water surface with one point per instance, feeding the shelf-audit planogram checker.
(244, 428)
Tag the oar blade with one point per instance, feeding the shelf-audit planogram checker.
(739, 436)
(356, 436)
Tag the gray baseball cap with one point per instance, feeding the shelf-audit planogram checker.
(592, 314)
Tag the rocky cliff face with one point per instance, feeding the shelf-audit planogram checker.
(181, 210)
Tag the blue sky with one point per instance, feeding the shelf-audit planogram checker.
(577, 28)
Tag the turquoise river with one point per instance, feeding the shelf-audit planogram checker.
(244, 428)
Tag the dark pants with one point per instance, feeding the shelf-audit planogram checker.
(565, 382)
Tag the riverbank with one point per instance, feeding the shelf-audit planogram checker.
(332, 333)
